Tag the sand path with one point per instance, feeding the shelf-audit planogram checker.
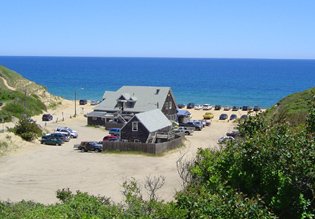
(6, 84)
(36, 172)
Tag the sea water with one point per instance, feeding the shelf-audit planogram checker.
(261, 82)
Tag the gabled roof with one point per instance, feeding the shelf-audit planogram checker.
(145, 98)
(153, 120)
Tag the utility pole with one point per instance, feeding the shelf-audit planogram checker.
(75, 103)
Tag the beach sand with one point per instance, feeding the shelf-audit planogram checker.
(32, 171)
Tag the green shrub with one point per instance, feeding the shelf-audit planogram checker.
(27, 130)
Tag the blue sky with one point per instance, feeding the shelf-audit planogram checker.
(160, 28)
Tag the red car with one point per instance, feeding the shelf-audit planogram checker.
(111, 138)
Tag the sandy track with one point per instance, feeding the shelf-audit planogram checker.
(38, 171)
(6, 84)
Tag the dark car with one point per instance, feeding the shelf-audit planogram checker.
(63, 136)
(223, 116)
(244, 117)
(83, 102)
(111, 138)
(51, 140)
(181, 106)
(233, 134)
(194, 125)
(235, 108)
(1, 103)
(190, 105)
(217, 107)
(47, 117)
(245, 108)
(256, 108)
(233, 116)
(91, 146)
(226, 108)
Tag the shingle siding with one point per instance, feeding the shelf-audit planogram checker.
(127, 133)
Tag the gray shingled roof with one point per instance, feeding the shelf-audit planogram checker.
(147, 98)
(153, 120)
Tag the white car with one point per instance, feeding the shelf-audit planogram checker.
(198, 107)
(185, 130)
(71, 132)
(206, 107)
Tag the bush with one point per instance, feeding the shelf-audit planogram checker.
(270, 168)
(27, 130)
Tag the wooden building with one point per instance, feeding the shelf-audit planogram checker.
(118, 107)
(148, 127)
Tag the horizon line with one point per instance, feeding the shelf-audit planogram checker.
(154, 57)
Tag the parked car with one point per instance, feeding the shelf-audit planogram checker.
(190, 105)
(193, 125)
(47, 117)
(233, 116)
(227, 108)
(86, 146)
(208, 115)
(199, 123)
(256, 108)
(185, 130)
(180, 106)
(83, 102)
(244, 117)
(62, 135)
(51, 140)
(1, 103)
(223, 116)
(72, 133)
(245, 108)
(235, 108)
(94, 102)
(208, 122)
(233, 134)
(206, 107)
(217, 107)
(114, 131)
(111, 138)
(225, 139)
(198, 107)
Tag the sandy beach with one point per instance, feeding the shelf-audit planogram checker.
(32, 171)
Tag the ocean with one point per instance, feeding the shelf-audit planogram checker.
(261, 82)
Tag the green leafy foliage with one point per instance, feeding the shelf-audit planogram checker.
(27, 130)
(268, 171)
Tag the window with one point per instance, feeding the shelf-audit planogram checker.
(134, 126)
(170, 104)
(94, 118)
(136, 141)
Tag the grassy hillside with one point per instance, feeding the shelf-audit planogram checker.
(22, 97)
(12, 77)
(293, 108)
